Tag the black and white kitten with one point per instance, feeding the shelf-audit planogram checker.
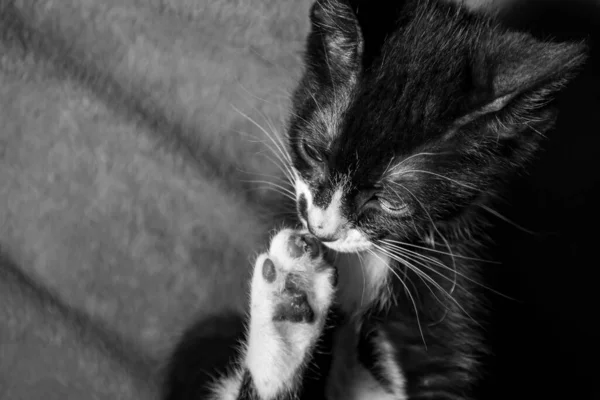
(408, 121)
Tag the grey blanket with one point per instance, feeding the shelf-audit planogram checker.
(127, 209)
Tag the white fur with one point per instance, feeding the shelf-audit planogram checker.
(276, 350)
(228, 387)
(330, 221)
(349, 380)
(351, 242)
(387, 362)
(362, 280)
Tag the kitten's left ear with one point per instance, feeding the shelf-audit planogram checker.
(515, 76)
(335, 27)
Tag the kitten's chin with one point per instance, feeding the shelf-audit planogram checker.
(353, 242)
(341, 246)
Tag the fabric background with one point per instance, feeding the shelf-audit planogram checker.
(125, 211)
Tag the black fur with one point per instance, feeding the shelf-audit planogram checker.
(439, 80)
(423, 77)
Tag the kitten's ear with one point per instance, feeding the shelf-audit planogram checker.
(515, 76)
(336, 30)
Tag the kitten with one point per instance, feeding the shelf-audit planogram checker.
(408, 121)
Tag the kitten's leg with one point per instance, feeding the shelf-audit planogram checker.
(292, 291)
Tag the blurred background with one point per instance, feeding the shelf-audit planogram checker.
(134, 170)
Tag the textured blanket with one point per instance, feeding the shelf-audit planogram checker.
(127, 155)
(135, 147)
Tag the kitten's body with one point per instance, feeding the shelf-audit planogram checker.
(404, 130)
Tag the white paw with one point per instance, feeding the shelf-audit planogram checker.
(292, 290)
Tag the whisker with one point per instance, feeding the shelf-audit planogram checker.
(274, 138)
(422, 262)
(432, 281)
(440, 251)
(283, 170)
(503, 218)
(281, 164)
(434, 226)
(274, 177)
(282, 154)
(437, 262)
(407, 292)
(283, 189)
(270, 188)
(421, 276)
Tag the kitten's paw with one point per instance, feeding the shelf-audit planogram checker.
(292, 283)
(292, 290)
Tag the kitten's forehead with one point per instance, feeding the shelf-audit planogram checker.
(406, 97)
(383, 116)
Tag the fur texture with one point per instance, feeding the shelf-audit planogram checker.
(409, 120)
(124, 169)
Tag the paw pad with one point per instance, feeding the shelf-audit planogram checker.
(294, 309)
(293, 281)
(268, 271)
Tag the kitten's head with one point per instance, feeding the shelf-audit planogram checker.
(408, 114)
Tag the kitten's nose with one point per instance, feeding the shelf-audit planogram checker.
(322, 238)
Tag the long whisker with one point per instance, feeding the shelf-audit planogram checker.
(440, 251)
(434, 227)
(414, 257)
(424, 278)
(399, 257)
(281, 165)
(503, 218)
(407, 292)
(437, 262)
(282, 154)
(430, 279)
(283, 188)
(283, 170)
(280, 189)
(274, 177)
(415, 253)
(275, 139)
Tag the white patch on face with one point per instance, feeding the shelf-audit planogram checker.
(352, 242)
(330, 222)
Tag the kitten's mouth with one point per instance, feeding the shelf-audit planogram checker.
(352, 242)
(342, 246)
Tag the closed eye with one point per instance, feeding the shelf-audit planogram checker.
(393, 208)
(311, 152)
(381, 203)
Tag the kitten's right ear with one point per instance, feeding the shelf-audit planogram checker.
(335, 30)
(515, 76)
